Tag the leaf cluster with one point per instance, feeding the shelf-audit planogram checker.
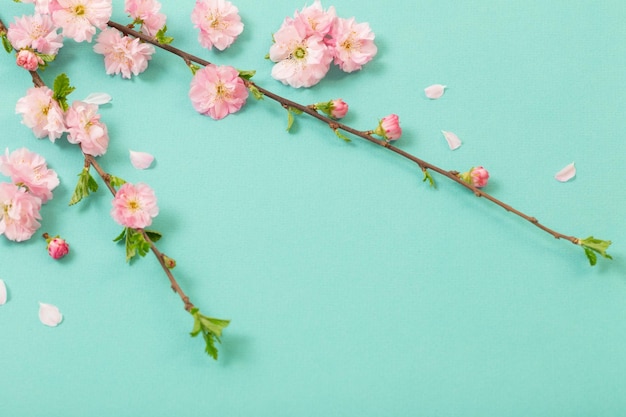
(86, 184)
(210, 328)
(135, 241)
(593, 246)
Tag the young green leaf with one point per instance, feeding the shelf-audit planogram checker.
(592, 246)
(246, 74)
(211, 329)
(341, 135)
(255, 92)
(86, 184)
(7, 45)
(429, 178)
(116, 181)
(62, 89)
(290, 120)
(153, 235)
(161, 38)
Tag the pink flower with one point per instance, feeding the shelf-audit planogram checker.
(301, 60)
(217, 91)
(28, 60)
(41, 113)
(19, 212)
(36, 32)
(353, 44)
(134, 206)
(79, 19)
(30, 170)
(146, 13)
(84, 127)
(389, 127)
(338, 109)
(317, 20)
(477, 176)
(41, 6)
(123, 54)
(218, 21)
(57, 247)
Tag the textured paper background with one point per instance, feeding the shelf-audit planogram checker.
(353, 288)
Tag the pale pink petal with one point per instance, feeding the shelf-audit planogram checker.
(97, 98)
(3, 293)
(453, 140)
(141, 160)
(434, 91)
(49, 315)
(566, 173)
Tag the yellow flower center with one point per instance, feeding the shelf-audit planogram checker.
(79, 10)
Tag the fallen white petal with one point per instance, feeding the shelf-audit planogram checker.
(49, 315)
(566, 173)
(141, 160)
(453, 140)
(434, 91)
(97, 98)
(3, 292)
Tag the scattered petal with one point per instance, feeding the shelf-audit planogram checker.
(3, 293)
(434, 91)
(49, 315)
(453, 140)
(141, 160)
(98, 98)
(566, 173)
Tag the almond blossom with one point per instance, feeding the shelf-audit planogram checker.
(146, 13)
(79, 19)
(123, 54)
(36, 32)
(30, 170)
(353, 44)
(85, 128)
(317, 20)
(41, 113)
(217, 91)
(19, 212)
(219, 23)
(134, 205)
(301, 60)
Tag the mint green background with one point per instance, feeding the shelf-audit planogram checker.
(353, 288)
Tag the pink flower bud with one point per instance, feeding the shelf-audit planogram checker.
(28, 60)
(57, 247)
(389, 127)
(477, 176)
(338, 109)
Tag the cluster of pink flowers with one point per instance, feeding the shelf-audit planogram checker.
(123, 54)
(21, 199)
(147, 14)
(306, 44)
(217, 91)
(43, 114)
(134, 206)
(218, 21)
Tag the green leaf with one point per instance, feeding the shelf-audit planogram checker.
(194, 68)
(134, 243)
(246, 75)
(116, 181)
(341, 135)
(255, 92)
(592, 246)
(290, 120)
(161, 38)
(211, 329)
(120, 236)
(7, 45)
(429, 178)
(153, 235)
(86, 184)
(47, 58)
(62, 89)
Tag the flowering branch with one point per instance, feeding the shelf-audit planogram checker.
(590, 248)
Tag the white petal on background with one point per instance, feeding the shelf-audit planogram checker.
(49, 315)
(141, 160)
(3, 292)
(97, 98)
(434, 91)
(566, 173)
(453, 140)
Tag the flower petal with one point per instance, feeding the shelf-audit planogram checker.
(141, 160)
(98, 98)
(3, 292)
(434, 91)
(49, 315)
(453, 140)
(566, 173)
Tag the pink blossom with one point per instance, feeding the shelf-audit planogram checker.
(301, 60)
(57, 247)
(338, 109)
(41, 6)
(317, 20)
(123, 54)
(19, 212)
(218, 21)
(389, 127)
(28, 60)
(84, 127)
(36, 32)
(353, 44)
(79, 19)
(146, 13)
(134, 206)
(29, 169)
(217, 91)
(477, 176)
(41, 113)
